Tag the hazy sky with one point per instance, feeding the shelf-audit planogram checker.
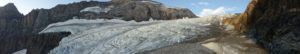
(199, 7)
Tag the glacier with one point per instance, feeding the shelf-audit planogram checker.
(23, 51)
(116, 36)
(96, 9)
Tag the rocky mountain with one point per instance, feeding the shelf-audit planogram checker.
(10, 21)
(21, 32)
(10, 12)
(9, 18)
(273, 23)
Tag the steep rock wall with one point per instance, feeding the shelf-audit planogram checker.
(273, 23)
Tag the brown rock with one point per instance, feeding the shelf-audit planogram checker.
(144, 10)
(274, 23)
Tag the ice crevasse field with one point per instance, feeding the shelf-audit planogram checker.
(116, 36)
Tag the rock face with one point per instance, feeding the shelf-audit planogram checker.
(19, 32)
(9, 28)
(9, 18)
(9, 12)
(143, 10)
(274, 23)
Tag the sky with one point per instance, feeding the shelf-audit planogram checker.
(198, 7)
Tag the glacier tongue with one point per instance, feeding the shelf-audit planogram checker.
(123, 37)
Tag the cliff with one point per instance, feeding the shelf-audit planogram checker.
(273, 23)
(9, 18)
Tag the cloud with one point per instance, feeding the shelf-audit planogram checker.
(104, 0)
(98, 0)
(218, 11)
(203, 3)
(200, 4)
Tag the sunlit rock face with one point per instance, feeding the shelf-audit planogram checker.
(122, 37)
(274, 23)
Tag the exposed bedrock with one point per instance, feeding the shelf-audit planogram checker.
(275, 24)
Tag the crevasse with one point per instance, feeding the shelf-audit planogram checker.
(123, 37)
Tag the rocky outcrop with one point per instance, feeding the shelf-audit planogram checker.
(9, 18)
(144, 10)
(274, 23)
(34, 43)
(9, 12)
(14, 34)
(9, 24)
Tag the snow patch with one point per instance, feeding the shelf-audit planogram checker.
(98, 0)
(152, 2)
(96, 9)
(77, 25)
(104, 0)
(23, 51)
(122, 37)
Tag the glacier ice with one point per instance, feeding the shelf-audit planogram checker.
(96, 9)
(123, 37)
(152, 2)
(98, 0)
(23, 51)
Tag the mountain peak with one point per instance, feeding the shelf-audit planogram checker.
(11, 5)
(9, 11)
